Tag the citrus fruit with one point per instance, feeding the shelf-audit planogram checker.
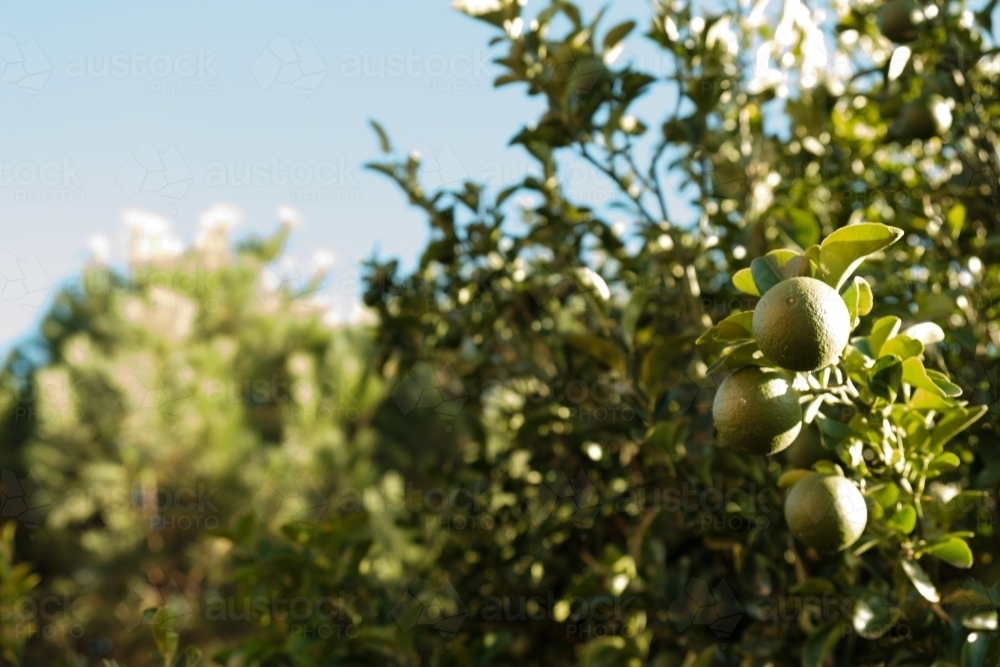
(801, 324)
(918, 121)
(756, 411)
(897, 22)
(807, 448)
(826, 512)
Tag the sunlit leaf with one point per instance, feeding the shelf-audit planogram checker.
(903, 521)
(743, 281)
(902, 346)
(952, 550)
(883, 329)
(843, 251)
(920, 580)
(954, 422)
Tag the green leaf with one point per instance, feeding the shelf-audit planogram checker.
(835, 429)
(925, 400)
(383, 138)
(944, 382)
(664, 434)
(797, 267)
(944, 462)
(657, 363)
(902, 346)
(828, 468)
(738, 326)
(872, 616)
(189, 658)
(164, 628)
(981, 649)
(617, 34)
(630, 318)
(903, 521)
(916, 375)
(743, 281)
(885, 495)
(843, 251)
(885, 376)
(920, 580)
(956, 219)
(744, 354)
(601, 349)
(766, 273)
(952, 550)
(859, 299)
(956, 421)
(883, 329)
(818, 647)
(927, 333)
(788, 479)
(802, 227)
(813, 254)
(814, 586)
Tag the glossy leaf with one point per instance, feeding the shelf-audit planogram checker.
(743, 281)
(920, 580)
(883, 329)
(952, 550)
(766, 273)
(843, 251)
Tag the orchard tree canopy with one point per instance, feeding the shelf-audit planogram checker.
(641, 433)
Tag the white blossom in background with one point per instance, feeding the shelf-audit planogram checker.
(220, 214)
(289, 215)
(151, 239)
(722, 33)
(213, 238)
(799, 48)
(323, 259)
(476, 7)
(764, 75)
(100, 248)
(345, 310)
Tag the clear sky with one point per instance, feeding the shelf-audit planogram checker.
(164, 106)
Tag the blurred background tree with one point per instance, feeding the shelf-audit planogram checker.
(536, 377)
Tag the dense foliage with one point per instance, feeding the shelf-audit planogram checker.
(530, 472)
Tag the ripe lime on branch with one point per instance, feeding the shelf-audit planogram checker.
(826, 512)
(897, 20)
(801, 324)
(756, 411)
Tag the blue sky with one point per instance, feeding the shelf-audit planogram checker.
(96, 97)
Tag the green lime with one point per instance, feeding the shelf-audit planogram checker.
(826, 512)
(801, 324)
(756, 411)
